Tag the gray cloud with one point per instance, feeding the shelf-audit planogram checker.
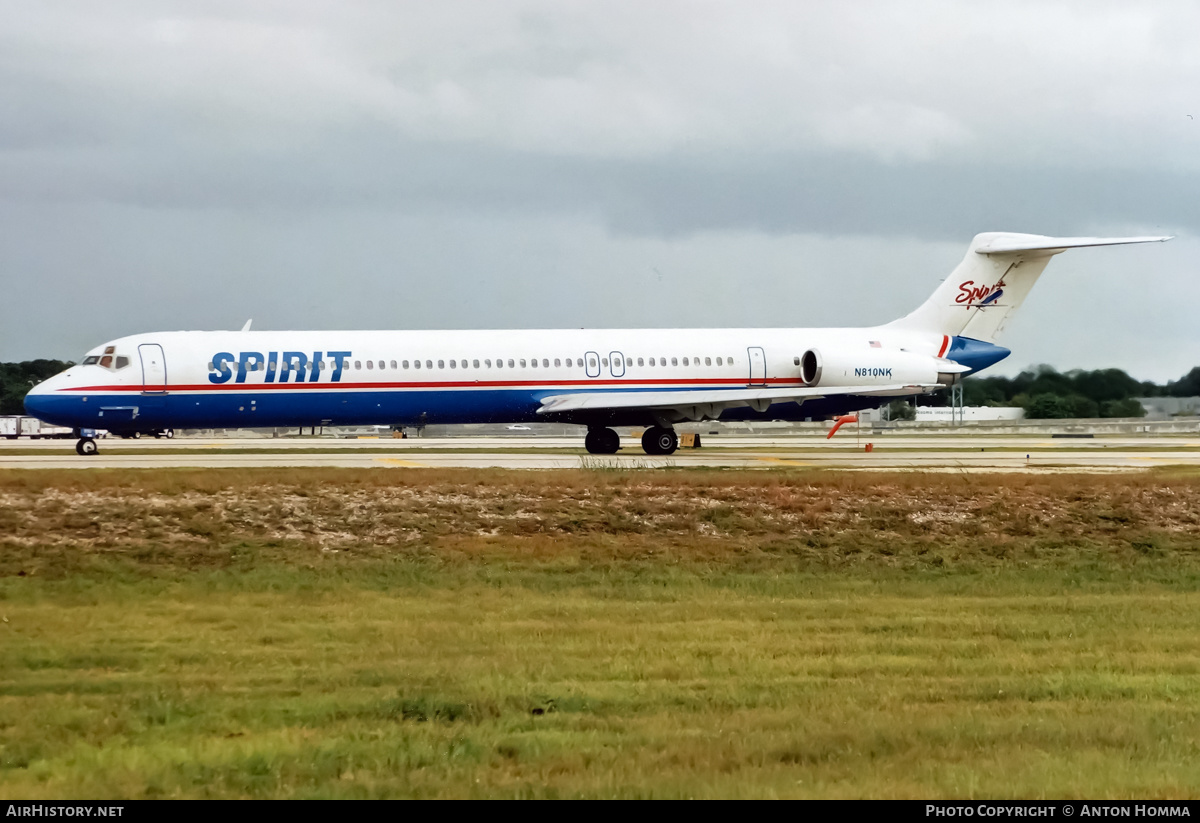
(540, 163)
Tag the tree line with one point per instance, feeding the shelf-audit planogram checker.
(1044, 392)
(17, 378)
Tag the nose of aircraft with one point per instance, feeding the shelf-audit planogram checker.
(37, 401)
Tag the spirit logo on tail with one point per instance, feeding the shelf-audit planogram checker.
(973, 296)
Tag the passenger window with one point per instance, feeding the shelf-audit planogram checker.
(510, 362)
(487, 363)
(545, 363)
(370, 364)
(568, 362)
(718, 361)
(640, 362)
(320, 365)
(557, 362)
(357, 365)
(651, 361)
(604, 362)
(533, 362)
(441, 364)
(453, 364)
(685, 361)
(393, 365)
(404, 363)
(122, 361)
(795, 361)
(474, 364)
(628, 361)
(416, 364)
(211, 367)
(522, 363)
(708, 361)
(592, 362)
(674, 361)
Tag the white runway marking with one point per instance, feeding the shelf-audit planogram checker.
(947, 451)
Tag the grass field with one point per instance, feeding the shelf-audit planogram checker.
(345, 633)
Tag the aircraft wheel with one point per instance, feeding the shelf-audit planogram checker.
(137, 435)
(602, 441)
(86, 446)
(649, 446)
(658, 440)
(169, 433)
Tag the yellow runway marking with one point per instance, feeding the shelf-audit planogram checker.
(392, 461)
(783, 461)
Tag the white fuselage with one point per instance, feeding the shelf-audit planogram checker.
(299, 378)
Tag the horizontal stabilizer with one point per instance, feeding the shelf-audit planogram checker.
(992, 281)
(1031, 242)
(698, 397)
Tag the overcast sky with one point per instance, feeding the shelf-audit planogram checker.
(562, 164)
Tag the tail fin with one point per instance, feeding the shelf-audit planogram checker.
(992, 281)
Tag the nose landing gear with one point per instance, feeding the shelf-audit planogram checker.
(86, 447)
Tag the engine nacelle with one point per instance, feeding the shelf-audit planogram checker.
(877, 367)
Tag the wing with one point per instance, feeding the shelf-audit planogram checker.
(704, 402)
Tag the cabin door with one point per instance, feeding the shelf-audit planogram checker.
(154, 369)
(758, 366)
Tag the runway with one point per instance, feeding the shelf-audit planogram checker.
(935, 452)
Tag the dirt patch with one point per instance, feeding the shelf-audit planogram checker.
(201, 518)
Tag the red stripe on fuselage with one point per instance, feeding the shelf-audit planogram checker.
(945, 345)
(460, 384)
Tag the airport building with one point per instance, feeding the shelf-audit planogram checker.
(1163, 408)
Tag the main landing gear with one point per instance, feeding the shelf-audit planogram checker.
(658, 440)
(86, 446)
(602, 441)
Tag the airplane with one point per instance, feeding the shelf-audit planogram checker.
(598, 378)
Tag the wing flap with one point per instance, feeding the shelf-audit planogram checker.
(672, 399)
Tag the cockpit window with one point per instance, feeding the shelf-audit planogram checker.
(109, 360)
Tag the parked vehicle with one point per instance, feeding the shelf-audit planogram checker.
(13, 426)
